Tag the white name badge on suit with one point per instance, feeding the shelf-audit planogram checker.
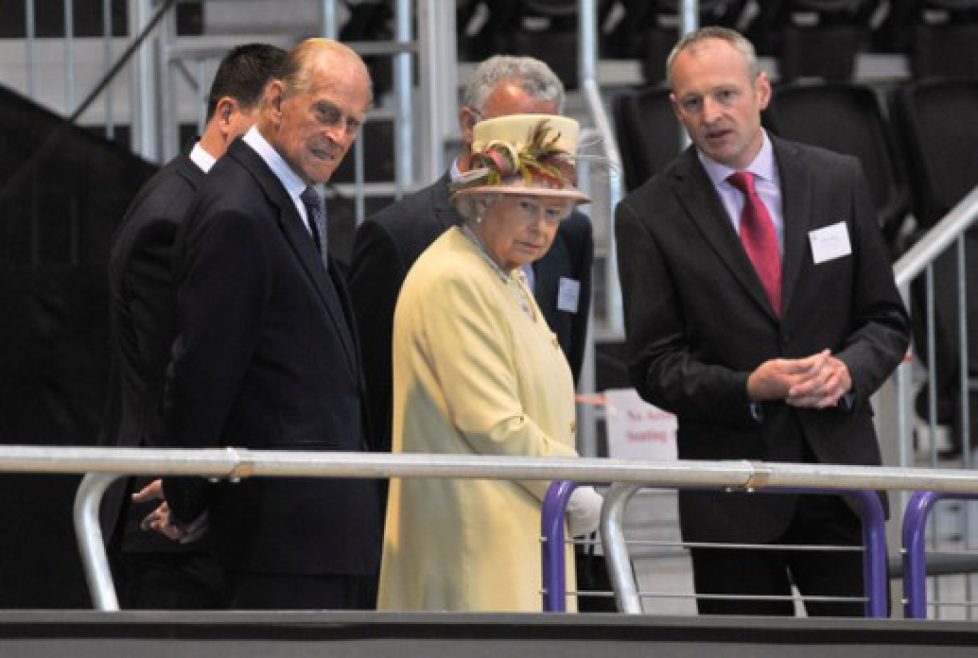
(830, 242)
(637, 429)
(568, 295)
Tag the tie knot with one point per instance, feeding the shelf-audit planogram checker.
(310, 197)
(743, 181)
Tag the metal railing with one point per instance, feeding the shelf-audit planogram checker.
(946, 240)
(919, 260)
(914, 551)
(627, 594)
(106, 464)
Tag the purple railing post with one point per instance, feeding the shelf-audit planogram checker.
(552, 525)
(874, 555)
(874, 551)
(914, 558)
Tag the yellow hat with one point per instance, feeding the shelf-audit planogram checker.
(526, 154)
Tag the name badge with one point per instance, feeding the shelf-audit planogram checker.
(568, 295)
(830, 242)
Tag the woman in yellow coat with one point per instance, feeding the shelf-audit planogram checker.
(478, 371)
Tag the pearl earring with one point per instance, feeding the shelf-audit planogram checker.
(478, 220)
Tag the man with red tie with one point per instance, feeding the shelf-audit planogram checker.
(760, 308)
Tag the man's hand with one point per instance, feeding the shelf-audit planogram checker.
(774, 379)
(161, 520)
(824, 388)
(152, 491)
(817, 381)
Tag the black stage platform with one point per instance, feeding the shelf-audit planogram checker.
(30, 634)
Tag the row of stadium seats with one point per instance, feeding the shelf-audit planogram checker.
(807, 37)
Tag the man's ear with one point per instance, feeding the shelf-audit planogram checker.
(762, 87)
(274, 95)
(224, 115)
(675, 107)
(467, 118)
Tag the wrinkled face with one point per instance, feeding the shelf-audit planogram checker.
(313, 128)
(520, 229)
(720, 106)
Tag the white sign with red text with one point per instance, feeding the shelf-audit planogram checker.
(636, 429)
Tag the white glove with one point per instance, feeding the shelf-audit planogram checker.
(584, 511)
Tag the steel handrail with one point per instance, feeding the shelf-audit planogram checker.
(240, 462)
(912, 263)
(237, 463)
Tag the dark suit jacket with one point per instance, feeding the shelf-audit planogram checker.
(698, 322)
(142, 317)
(388, 243)
(266, 358)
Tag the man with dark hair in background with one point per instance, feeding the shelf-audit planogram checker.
(152, 571)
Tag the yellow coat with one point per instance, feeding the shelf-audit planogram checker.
(473, 374)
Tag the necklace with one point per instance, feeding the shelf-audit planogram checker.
(515, 284)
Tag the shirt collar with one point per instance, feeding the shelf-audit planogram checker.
(294, 185)
(762, 166)
(455, 172)
(202, 158)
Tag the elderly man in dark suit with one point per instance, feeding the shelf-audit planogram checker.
(152, 571)
(388, 243)
(760, 308)
(266, 355)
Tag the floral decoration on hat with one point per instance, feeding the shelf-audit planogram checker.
(523, 154)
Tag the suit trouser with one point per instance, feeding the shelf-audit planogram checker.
(270, 591)
(171, 581)
(818, 519)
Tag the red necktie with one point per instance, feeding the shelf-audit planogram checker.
(759, 238)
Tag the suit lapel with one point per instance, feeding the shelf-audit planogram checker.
(305, 251)
(301, 243)
(547, 271)
(796, 214)
(441, 206)
(345, 316)
(695, 192)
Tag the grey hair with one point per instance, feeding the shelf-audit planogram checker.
(734, 38)
(467, 205)
(532, 75)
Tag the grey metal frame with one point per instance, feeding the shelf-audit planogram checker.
(106, 464)
(919, 261)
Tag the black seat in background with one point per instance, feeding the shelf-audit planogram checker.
(649, 136)
(944, 36)
(848, 118)
(936, 119)
(828, 48)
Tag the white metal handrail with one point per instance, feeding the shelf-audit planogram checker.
(106, 464)
(961, 218)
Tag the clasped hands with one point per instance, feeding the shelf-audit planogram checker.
(161, 519)
(818, 381)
